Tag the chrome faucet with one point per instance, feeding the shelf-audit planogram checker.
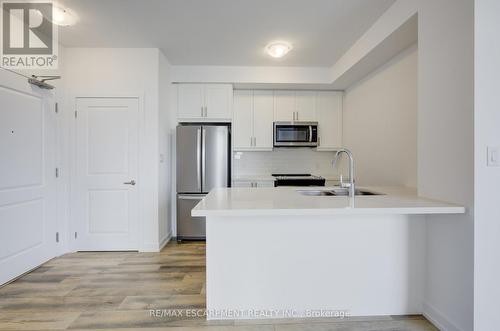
(352, 189)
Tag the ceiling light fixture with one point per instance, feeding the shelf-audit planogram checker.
(63, 16)
(278, 49)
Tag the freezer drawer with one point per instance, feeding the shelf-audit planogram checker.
(188, 227)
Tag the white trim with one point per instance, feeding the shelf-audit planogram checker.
(139, 95)
(149, 248)
(438, 319)
(165, 240)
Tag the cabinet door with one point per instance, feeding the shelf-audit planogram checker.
(265, 183)
(190, 101)
(242, 183)
(263, 103)
(218, 100)
(306, 106)
(284, 106)
(242, 120)
(329, 115)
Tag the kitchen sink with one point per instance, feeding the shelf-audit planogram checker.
(336, 192)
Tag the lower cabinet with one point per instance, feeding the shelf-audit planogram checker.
(253, 183)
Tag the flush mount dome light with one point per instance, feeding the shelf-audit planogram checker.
(278, 49)
(63, 16)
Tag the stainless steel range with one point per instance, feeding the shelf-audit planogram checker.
(298, 180)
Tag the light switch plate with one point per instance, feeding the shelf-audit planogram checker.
(493, 156)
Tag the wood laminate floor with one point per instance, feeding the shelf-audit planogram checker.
(117, 290)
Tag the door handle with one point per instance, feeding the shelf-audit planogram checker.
(198, 157)
(132, 182)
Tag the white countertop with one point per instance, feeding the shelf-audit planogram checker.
(287, 201)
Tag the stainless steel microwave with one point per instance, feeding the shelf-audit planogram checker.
(295, 134)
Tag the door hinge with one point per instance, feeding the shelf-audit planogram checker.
(76, 114)
(56, 108)
(57, 237)
(76, 235)
(57, 172)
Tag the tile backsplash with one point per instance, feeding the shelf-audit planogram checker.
(283, 160)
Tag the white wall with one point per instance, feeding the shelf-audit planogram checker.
(445, 150)
(445, 155)
(131, 72)
(166, 120)
(380, 123)
(487, 179)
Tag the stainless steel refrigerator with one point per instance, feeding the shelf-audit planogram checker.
(203, 163)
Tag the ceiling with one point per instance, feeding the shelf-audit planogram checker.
(225, 32)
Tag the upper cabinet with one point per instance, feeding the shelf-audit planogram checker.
(305, 104)
(284, 106)
(255, 112)
(329, 117)
(295, 106)
(204, 102)
(253, 120)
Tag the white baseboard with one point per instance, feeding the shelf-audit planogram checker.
(165, 240)
(150, 248)
(438, 319)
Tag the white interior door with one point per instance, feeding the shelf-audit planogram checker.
(106, 192)
(27, 176)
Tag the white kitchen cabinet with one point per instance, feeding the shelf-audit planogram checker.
(253, 120)
(252, 183)
(243, 120)
(295, 106)
(190, 101)
(284, 106)
(204, 102)
(305, 105)
(263, 104)
(329, 117)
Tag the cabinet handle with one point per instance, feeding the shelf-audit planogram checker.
(201, 111)
(206, 111)
(255, 141)
(297, 116)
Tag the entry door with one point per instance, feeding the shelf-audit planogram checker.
(106, 192)
(27, 176)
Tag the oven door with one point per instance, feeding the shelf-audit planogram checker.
(295, 134)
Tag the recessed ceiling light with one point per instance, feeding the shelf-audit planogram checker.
(63, 16)
(278, 49)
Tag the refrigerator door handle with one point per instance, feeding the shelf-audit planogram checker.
(203, 158)
(198, 158)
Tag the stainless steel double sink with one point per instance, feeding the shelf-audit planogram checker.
(336, 192)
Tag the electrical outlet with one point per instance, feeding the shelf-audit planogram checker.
(493, 156)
